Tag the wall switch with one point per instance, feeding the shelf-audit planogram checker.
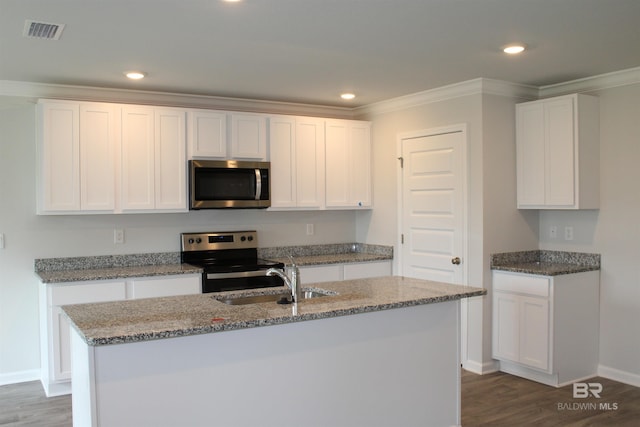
(568, 233)
(310, 230)
(553, 232)
(1, 240)
(118, 236)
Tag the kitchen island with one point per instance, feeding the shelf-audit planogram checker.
(381, 351)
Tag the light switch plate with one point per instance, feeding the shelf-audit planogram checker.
(1, 240)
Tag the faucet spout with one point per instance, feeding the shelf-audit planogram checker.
(290, 282)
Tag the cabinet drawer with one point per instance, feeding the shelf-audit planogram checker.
(522, 284)
(87, 293)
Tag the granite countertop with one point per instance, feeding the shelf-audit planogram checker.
(108, 273)
(106, 267)
(157, 318)
(545, 262)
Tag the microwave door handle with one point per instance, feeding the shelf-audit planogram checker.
(258, 184)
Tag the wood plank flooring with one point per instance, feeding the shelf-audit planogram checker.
(487, 400)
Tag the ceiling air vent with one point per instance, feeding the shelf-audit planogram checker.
(42, 30)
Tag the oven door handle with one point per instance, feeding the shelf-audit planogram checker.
(258, 184)
(238, 274)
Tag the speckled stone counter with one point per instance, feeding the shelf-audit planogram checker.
(328, 254)
(545, 263)
(61, 270)
(151, 319)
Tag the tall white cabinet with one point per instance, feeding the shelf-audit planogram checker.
(557, 141)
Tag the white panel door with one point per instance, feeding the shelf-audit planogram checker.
(60, 156)
(248, 136)
(170, 163)
(282, 150)
(138, 154)
(338, 159)
(506, 326)
(97, 143)
(360, 137)
(530, 154)
(310, 162)
(433, 207)
(534, 332)
(207, 134)
(560, 159)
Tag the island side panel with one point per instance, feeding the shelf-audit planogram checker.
(83, 399)
(392, 367)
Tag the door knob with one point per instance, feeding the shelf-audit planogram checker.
(456, 261)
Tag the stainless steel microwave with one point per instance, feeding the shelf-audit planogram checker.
(220, 184)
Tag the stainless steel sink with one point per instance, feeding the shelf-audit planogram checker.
(256, 299)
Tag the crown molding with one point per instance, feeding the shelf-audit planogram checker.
(594, 83)
(31, 92)
(466, 88)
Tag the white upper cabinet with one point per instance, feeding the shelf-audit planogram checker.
(557, 143)
(76, 157)
(227, 135)
(297, 162)
(153, 159)
(348, 164)
(207, 134)
(248, 136)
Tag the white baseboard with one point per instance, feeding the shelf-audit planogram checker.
(481, 368)
(20, 377)
(618, 375)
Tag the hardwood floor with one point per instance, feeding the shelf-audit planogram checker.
(500, 399)
(487, 400)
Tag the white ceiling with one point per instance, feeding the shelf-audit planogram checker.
(309, 51)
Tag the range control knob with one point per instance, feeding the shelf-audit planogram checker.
(198, 240)
(243, 238)
(250, 238)
(190, 241)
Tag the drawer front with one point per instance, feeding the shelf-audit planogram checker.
(88, 292)
(522, 284)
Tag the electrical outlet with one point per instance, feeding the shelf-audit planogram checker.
(568, 233)
(310, 230)
(553, 232)
(118, 236)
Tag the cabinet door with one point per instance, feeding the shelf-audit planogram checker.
(207, 134)
(165, 286)
(559, 159)
(97, 143)
(534, 332)
(310, 166)
(248, 136)
(367, 269)
(530, 157)
(360, 164)
(59, 152)
(138, 154)
(348, 164)
(506, 325)
(170, 165)
(321, 273)
(60, 354)
(282, 150)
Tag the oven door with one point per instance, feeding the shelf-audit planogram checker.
(235, 281)
(220, 184)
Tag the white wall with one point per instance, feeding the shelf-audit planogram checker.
(613, 231)
(29, 236)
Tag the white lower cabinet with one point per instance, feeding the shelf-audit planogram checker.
(55, 350)
(545, 328)
(337, 272)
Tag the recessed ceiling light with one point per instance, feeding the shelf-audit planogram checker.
(347, 96)
(514, 49)
(135, 75)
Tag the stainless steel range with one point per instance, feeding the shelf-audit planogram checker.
(229, 259)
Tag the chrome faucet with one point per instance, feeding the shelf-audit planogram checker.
(292, 281)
